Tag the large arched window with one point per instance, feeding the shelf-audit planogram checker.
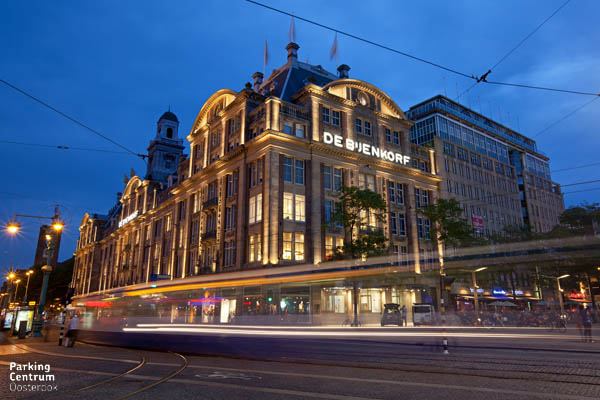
(170, 133)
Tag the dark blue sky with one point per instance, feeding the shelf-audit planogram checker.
(117, 66)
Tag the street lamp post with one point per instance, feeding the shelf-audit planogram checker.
(17, 290)
(475, 287)
(55, 227)
(560, 290)
(28, 273)
(10, 278)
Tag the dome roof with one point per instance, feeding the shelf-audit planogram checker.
(168, 115)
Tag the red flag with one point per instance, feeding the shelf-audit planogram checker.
(334, 49)
(266, 58)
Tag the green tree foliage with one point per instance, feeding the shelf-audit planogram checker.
(580, 220)
(353, 205)
(447, 224)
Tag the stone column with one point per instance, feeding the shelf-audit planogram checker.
(411, 217)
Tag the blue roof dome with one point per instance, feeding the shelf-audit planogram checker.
(168, 115)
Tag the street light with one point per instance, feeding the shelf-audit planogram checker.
(10, 278)
(13, 227)
(28, 273)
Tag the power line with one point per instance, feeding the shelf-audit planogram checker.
(580, 166)
(516, 47)
(482, 79)
(584, 190)
(363, 40)
(95, 132)
(581, 183)
(543, 88)
(62, 147)
(565, 117)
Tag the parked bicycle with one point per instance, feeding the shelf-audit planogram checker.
(556, 324)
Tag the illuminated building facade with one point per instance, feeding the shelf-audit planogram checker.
(265, 168)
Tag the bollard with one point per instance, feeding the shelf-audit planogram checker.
(60, 336)
(445, 342)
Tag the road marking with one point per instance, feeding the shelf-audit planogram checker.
(32, 350)
(520, 393)
(228, 375)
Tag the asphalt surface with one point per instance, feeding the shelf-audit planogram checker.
(350, 369)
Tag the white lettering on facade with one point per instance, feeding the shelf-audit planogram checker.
(128, 218)
(364, 148)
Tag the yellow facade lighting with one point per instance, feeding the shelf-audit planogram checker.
(480, 269)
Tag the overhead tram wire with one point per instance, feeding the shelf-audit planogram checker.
(95, 132)
(565, 117)
(350, 35)
(514, 48)
(481, 79)
(584, 190)
(63, 147)
(577, 167)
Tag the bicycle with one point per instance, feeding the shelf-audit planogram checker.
(349, 322)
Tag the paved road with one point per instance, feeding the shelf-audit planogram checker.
(351, 370)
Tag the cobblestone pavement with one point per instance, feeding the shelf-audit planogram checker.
(363, 371)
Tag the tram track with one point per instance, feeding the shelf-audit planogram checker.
(141, 363)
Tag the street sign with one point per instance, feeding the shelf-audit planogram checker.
(477, 222)
(31, 303)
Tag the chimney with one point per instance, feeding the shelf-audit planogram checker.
(343, 71)
(258, 78)
(292, 49)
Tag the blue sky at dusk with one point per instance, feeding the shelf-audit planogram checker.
(118, 65)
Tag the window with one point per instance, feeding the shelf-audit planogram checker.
(388, 135)
(421, 197)
(299, 172)
(293, 246)
(288, 206)
(337, 179)
(299, 206)
(326, 115)
(358, 125)
(423, 226)
(401, 225)
(287, 245)
(288, 128)
(449, 149)
(326, 177)
(396, 137)
(398, 224)
(300, 131)
(335, 118)
(287, 169)
(255, 172)
(331, 244)
(228, 218)
(299, 246)
(366, 181)
(229, 253)
(255, 209)
(396, 192)
(328, 210)
(367, 128)
(252, 249)
(168, 223)
(461, 153)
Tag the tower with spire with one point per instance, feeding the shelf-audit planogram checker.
(165, 150)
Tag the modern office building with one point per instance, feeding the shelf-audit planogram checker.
(265, 169)
(498, 175)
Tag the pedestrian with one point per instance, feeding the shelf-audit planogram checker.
(404, 312)
(587, 325)
(579, 321)
(72, 331)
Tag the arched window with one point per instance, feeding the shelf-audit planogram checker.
(170, 133)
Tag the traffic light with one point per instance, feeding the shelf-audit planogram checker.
(448, 282)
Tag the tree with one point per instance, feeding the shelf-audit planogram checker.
(447, 224)
(352, 211)
(581, 220)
